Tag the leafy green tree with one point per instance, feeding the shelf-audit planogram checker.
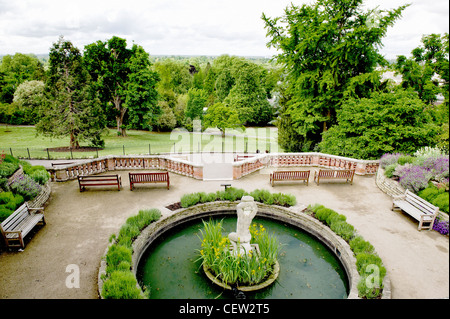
(174, 75)
(72, 107)
(196, 102)
(249, 98)
(141, 97)
(418, 72)
(167, 120)
(325, 47)
(107, 63)
(16, 69)
(125, 81)
(221, 117)
(28, 97)
(383, 123)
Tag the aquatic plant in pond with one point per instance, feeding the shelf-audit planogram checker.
(237, 269)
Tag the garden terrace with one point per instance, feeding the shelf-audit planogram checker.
(80, 224)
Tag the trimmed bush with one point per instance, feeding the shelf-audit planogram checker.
(369, 265)
(121, 285)
(389, 170)
(115, 255)
(343, 229)
(120, 282)
(359, 245)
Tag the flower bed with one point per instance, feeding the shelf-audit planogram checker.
(426, 173)
(19, 182)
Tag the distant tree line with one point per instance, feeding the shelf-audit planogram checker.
(78, 94)
(324, 90)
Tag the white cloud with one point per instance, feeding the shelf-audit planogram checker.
(200, 27)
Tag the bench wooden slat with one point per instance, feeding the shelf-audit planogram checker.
(416, 207)
(99, 180)
(19, 224)
(346, 174)
(153, 177)
(289, 175)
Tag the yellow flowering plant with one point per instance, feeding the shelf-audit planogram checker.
(237, 269)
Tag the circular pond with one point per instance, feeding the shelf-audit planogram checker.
(171, 269)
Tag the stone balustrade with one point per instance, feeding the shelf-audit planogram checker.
(248, 164)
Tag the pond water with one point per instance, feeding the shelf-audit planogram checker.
(308, 269)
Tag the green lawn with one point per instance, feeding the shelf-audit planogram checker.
(23, 142)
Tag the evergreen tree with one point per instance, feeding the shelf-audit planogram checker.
(71, 106)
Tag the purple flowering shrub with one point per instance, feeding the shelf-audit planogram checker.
(389, 159)
(25, 186)
(441, 226)
(438, 166)
(414, 178)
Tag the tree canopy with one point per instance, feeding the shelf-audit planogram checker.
(71, 106)
(325, 47)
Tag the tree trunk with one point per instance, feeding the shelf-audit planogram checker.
(119, 118)
(74, 141)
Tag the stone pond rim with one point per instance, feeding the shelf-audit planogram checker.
(292, 216)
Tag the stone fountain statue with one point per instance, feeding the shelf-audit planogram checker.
(246, 211)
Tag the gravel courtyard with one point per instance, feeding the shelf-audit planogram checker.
(80, 224)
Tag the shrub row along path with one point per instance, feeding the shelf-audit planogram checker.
(80, 224)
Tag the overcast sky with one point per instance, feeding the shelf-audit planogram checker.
(185, 27)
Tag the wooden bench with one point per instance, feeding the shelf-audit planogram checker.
(99, 180)
(346, 174)
(289, 176)
(157, 177)
(416, 207)
(19, 224)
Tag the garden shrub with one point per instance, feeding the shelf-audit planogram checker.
(115, 255)
(7, 169)
(441, 226)
(442, 201)
(188, 200)
(359, 245)
(322, 213)
(9, 202)
(40, 176)
(389, 170)
(364, 251)
(389, 159)
(4, 213)
(25, 186)
(284, 199)
(119, 281)
(367, 289)
(121, 285)
(365, 259)
(414, 178)
(405, 159)
(343, 229)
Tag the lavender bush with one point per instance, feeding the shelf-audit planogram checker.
(441, 226)
(438, 167)
(389, 159)
(25, 186)
(414, 178)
